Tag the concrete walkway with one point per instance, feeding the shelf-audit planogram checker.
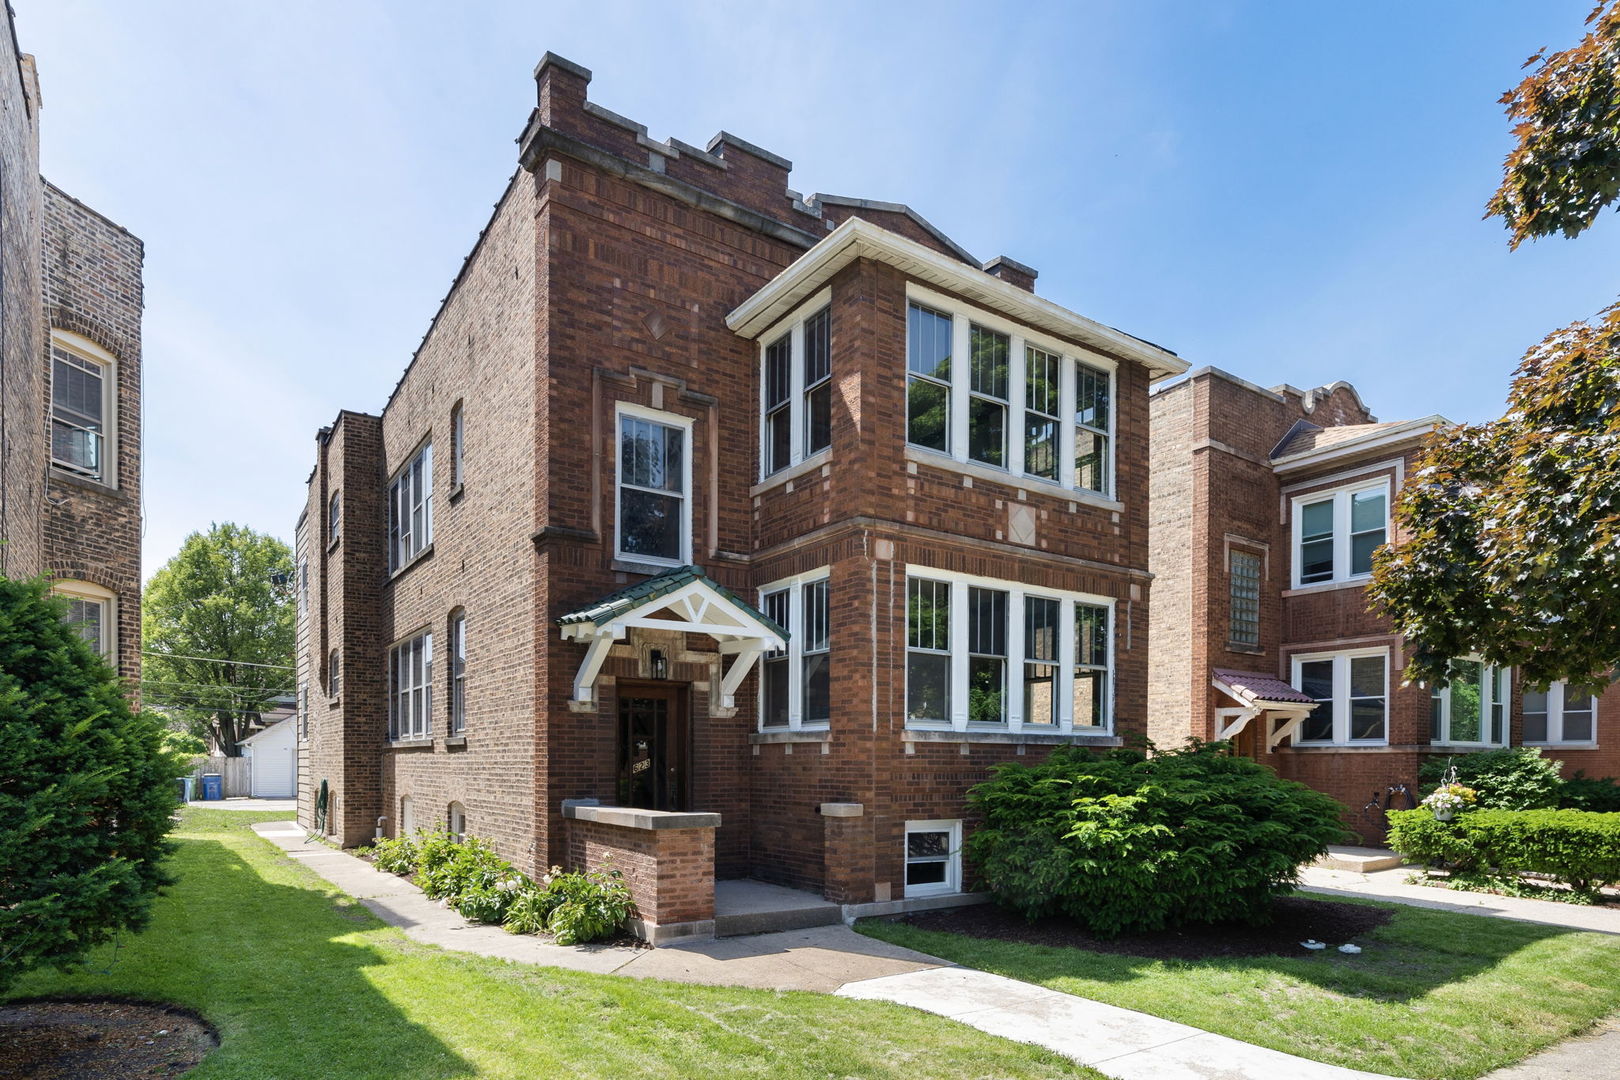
(289, 806)
(1391, 885)
(835, 959)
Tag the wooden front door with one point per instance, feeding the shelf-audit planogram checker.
(654, 746)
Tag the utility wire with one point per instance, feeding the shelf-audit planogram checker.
(218, 660)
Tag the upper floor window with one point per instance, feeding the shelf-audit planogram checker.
(1561, 714)
(963, 634)
(334, 514)
(458, 672)
(1471, 710)
(796, 683)
(1007, 411)
(1351, 690)
(334, 674)
(303, 710)
(410, 688)
(458, 445)
(1243, 587)
(82, 406)
(410, 509)
(654, 485)
(90, 611)
(1336, 533)
(797, 388)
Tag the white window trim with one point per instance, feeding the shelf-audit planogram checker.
(953, 864)
(962, 316)
(397, 560)
(1484, 742)
(456, 654)
(674, 420)
(73, 589)
(795, 650)
(1555, 720)
(85, 349)
(1341, 695)
(792, 325)
(395, 728)
(1016, 592)
(1341, 498)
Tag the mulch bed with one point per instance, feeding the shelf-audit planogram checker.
(1294, 920)
(100, 1040)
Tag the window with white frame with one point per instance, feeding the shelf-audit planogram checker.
(1336, 533)
(962, 634)
(303, 710)
(458, 822)
(458, 672)
(796, 683)
(83, 386)
(458, 445)
(654, 485)
(90, 612)
(933, 857)
(334, 674)
(334, 515)
(1561, 715)
(1243, 595)
(1007, 412)
(410, 509)
(1470, 710)
(1351, 691)
(410, 688)
(796, 387)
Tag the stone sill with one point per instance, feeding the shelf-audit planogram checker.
(630, 566)
(1010, 738)
(418, 557)
(99, 487)
(803, 735)
(794, 472)
(1340, 748)
(455, 742)
(410, 744)
(1032, 485)
(1329, 586)
(632, 818)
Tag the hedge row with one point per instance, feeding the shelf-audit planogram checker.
(1578, 848)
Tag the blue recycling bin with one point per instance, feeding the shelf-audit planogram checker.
(213, 786)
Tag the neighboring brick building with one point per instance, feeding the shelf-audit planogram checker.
(1267, 506)
(659, 358)
(70, 385)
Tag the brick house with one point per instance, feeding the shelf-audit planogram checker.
(682, 539)
(70, 385)
(1267, 506)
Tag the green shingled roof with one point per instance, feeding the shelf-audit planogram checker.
(642, 593)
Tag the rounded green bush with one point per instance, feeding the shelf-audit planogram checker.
(1509, 779)
(1123, 842)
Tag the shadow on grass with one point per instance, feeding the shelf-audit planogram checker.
(279, 970)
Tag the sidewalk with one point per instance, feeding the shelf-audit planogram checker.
(834, 959)
(1391, 885)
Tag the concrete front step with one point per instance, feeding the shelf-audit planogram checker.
(753, 907)
(1359, 860)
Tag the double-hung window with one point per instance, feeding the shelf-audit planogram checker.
(82, 383)
(334, 674)
(963, 635)
(458, 673)
(795, 683)
(1470, 710)
(796, 387)
(1351, 690)
(410, 688)
(458, 445)
(988, 382)
(1561, 714)
(334, 516)
(90, 612)
(410, 509)
(654, 486)
(1336, 533)
(1005, 409)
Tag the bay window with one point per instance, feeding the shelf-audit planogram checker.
(963, 634)
(796, 682)
(796, 387)
(1043, 383)
(928, 378)
(1471, 710)
(987, 396)
(1092, 409)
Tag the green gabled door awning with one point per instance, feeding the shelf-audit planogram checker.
(683, 598)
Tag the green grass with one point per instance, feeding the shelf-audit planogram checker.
(301, 980)
(1433, 994)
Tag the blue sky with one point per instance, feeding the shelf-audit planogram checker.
(1290, 191)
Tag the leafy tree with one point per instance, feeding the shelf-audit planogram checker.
(86, 793)
(1510, 531)
(218, 626)
(1566, 165)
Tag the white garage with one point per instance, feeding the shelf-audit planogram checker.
(273, 761)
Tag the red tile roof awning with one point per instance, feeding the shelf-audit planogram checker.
(1253, 688)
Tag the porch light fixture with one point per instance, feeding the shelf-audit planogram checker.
(658, 663)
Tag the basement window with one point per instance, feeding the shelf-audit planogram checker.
(933, 857)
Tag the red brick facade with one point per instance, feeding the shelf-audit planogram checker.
(71, 278)
(611, 277)
(1225, 479)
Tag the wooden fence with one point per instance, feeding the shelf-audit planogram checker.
(235, 771)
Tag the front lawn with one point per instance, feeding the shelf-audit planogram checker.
(1433, 994)
(301, 980)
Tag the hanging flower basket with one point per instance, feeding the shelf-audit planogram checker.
(1449, 800)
